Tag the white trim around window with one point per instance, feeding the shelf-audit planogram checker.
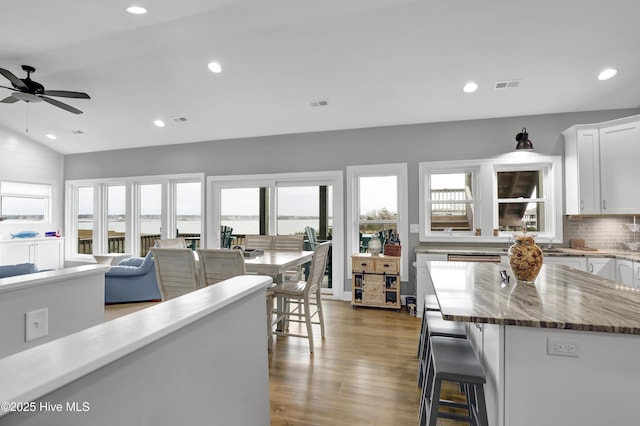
(353, 196)
(132, 225)
(486, 214)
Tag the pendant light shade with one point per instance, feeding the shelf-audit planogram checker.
(523, 141)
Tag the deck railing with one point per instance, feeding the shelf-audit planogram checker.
(116, 243)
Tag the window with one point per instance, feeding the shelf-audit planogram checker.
(84, 219)
(378, 206)
(25, 202)
(127, 215)
(451, 202)
(188, 208)
(116, 218)
(525, 190)
(520, 200)
(240, 209)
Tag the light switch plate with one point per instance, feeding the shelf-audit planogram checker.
(414, 228)
(36, 324)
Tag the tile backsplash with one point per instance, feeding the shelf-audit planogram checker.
(601, 232)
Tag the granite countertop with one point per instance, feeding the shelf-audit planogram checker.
(501, 250)
(562, 298)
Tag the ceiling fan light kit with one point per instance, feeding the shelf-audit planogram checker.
(27, 90)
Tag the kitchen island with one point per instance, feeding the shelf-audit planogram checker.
(564, 351)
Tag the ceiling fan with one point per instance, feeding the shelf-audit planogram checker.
(28, 90)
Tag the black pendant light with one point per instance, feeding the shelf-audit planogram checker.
(523, 141)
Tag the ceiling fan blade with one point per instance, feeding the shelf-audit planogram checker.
(9, 100)
(66, 94)
(13, 79)
(61, 105)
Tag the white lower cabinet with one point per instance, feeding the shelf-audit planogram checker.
(636, 274)
(574, 262)
(46, 253)
(602, 266)
(624, 272)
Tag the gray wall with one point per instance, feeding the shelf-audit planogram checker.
(336, 150)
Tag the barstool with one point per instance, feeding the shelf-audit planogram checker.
(436, 326)
(453, 360)
(430, 304)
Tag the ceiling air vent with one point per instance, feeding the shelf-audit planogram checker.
(179, 119)
(507, 84)
(319, 103)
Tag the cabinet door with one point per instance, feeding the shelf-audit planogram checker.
(48, 254)
(624, 272)
(579, 263)
(619, 153)
(16, 252)
(601, 266)
(582, 171)
(373, 290)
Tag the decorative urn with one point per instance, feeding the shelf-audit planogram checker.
(374, 246)
(525, 258)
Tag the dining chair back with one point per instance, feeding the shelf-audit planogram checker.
(220, 264)
(288, 242)
(176, 271)
(262, 242)
(172, 243)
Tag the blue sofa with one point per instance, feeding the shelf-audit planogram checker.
(132, 280)
(19, 269)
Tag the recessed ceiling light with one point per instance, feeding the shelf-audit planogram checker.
(50, 136)
(607, 73)
(158, 123)
(215, 67)
(136, 10)
(470, 87)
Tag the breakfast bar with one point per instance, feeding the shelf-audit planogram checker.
(561, 351)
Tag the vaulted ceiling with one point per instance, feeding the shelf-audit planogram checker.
(374, 62)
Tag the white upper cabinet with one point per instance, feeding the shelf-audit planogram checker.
(582, 170)
(601, 167)
(619, 160)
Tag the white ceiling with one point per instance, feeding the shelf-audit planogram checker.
(376, 62)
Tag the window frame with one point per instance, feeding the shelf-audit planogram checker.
(425, 193)
(47, 198)
(132, 210)
(270, 181)
(353, 210)
(487, 209)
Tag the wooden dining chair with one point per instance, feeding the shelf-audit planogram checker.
(176, 271)
(262, 242)
(306, 292)
(220, 264)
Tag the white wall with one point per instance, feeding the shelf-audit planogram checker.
(22, 159)
(73, 297)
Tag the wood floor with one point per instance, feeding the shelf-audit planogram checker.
(363, 373)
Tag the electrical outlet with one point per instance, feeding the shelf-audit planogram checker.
(36, 324)
(414, 228)
(563, 347)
